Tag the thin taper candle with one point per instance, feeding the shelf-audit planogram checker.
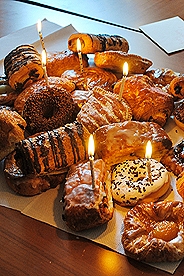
(91, 158)
(148, 156)
(80, 55)
(125, 73)
(39, 28)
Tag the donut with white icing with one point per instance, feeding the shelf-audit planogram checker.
(131, 184)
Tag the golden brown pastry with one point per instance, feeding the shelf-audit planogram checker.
(31, 184)
(103, 108)
(80, 97)
(91, 77)
(117, 141)
(180, 184)
(114, 60)
(53, 150)
(7, 95)
(58, 62)
(179, 115)
(177, 87)
(131, 183)
(148, 103)
(173, 160)
(12, 127)
(85, 207)
(91, 43)
(154, 232)
(23, 66)
(161, 76)
(47, 107)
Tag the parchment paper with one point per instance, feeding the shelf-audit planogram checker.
(47, 207)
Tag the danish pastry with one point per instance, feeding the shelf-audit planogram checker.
(154, 232)
(114, 60)
(179, 115)
(91, 43)
(177, 87)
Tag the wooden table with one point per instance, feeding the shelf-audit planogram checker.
(30, 247)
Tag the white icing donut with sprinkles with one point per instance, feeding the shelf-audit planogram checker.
(131, 184)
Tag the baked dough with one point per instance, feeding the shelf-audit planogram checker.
(131, 184)
(179, 115)
(177, 87)
(103, 108)
(148, 103)
(85, 207)
(91, 43)
(117, 141)
(58, 62)
(154, 232)
(114, 60)
(180, 184)
(12, 129)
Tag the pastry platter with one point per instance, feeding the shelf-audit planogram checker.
(47, 207)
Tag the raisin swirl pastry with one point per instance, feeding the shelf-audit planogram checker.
(179, 115)
(177, 87)
(154, 232)
(91, 43)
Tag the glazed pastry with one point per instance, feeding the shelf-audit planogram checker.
(115, 142)
(161, 76)
(103, 108)
(179, 115)
(23, 66)
(54, 150)
(177, 87)
(7, 95)
(30, 184)
(85, 207)
(131, 184)
(80, 97)
(12, 127)
(91, 43)
(91, 77)
(173, 160)
(58, 62)
(148, 103)
(47, 107)
(180, 184)
(114, 60)
(154, 232)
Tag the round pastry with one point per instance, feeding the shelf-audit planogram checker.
(46, 107)
(161, 76)
(177, 87)
(179, 115)
(23, 66)
(180, 184)
(154, 232)
(58, 62)
(131, 183)
(90, 78)
(173, 160)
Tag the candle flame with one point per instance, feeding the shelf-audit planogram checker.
(78, 45)
(125, 69)
(91, 145)
(44, 58)
(148, 150)
(39, 26)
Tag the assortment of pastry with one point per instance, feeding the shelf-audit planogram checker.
(45, 132)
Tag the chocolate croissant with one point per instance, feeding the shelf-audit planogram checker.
(91, 43)
(23, 66)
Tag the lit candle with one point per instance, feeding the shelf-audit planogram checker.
(148, 156)
(91, 150)
(79, 54)
(125, 73)
(39, 28)
(44, 62)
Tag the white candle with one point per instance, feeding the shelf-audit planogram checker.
(79, 54)
(44, 62)
(148, 156)
(125, 73)
(39, 28)
(91, 150)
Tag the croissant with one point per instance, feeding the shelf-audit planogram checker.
(148, 103)
(91, 43)
(117, 141)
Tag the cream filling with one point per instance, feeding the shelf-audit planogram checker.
(130, 181)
